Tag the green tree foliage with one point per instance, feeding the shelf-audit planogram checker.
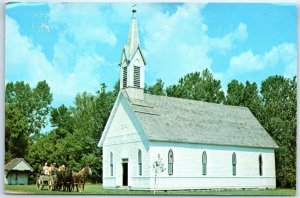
(26, 112)
(156, 89)
(252, 99)
(16, 129)
(62, 119)
(41, 151)
(279, 119)
(247, 95)
(198, 86)
(235, 93)
(33, 104)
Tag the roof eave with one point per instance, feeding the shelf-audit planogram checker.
(109, 121)
(215, 144)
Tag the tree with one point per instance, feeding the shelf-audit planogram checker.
(41, 100)
(247, 96)
(158, 167)
(62, 119)
(156, 89)
(26, 112)
(198, 86)
(235, 93)
(90, 115)
(33, 104)
(42, 150)
(16, 138)
(279, 119)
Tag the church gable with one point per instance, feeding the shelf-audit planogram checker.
(138, 55)
(122, 126)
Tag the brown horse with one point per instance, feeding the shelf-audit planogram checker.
(79, 178)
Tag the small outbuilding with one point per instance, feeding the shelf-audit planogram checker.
(17, 171)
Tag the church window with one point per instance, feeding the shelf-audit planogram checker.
(111, 164)
(124, 77)
(170, 162)
(233, 164)
(204, 163)
(260, 161)
(140, 161)
(136, 81)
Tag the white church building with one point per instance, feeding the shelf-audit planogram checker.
(202, 145)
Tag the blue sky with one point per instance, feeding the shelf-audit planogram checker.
(75, 47)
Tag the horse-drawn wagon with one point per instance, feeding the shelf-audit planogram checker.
(65, 180)
(46, 180)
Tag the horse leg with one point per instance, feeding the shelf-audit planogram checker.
(80, 187)
(71, 186)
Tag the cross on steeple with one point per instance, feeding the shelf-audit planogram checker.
(134, 10)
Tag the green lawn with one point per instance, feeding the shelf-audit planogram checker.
(97, 189)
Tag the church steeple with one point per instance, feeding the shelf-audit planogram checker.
(133, 37)
(132, 63)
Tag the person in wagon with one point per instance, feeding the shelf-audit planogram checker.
(61, 168)
(46, 169)
(53, 169)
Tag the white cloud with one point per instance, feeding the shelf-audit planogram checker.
(79, 21)
(283, 55)
(226, 42)
(178, 43)
(23, 60)
(28, 61)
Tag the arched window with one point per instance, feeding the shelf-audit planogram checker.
(233, 164)
(111, 164)
(140, 161)
(124, 77)
(170, 162)
(204, 162)
(260, 161)
(136, 76)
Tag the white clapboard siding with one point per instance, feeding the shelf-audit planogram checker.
(187, 167)
(124, 142)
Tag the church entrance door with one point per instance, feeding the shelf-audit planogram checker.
(125, 171)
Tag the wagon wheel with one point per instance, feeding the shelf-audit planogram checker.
(50, 184)
(39, 184)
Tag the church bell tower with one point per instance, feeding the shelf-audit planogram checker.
(132, 63)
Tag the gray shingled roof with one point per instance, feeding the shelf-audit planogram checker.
(14, 162)
(189, 121)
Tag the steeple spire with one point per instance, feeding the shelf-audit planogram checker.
(133, 37)
(132, 63)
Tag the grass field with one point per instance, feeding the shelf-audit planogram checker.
(97, 189)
